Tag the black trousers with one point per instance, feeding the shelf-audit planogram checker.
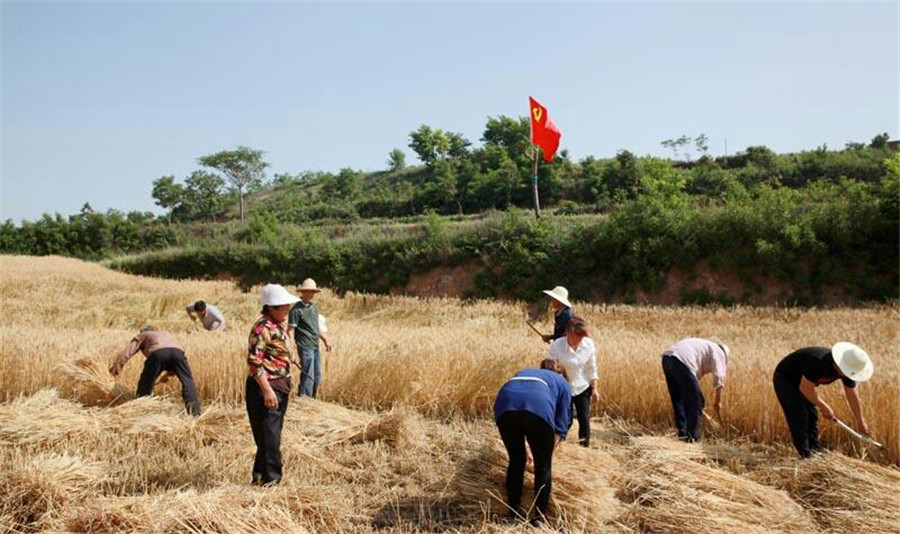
(802, 416)
(174, 361)
(687, 399)
(582, 404)
(266, 425)
(515, 428)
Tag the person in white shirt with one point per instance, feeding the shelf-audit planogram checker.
(684, 363)
(575, 353)
(210, 317)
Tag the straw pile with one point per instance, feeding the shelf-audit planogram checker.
(332, 424)
(848, 495)
(34, 490)
(88, 380)
(43, 418)
(672, 493)
(582, 498)
(224, 509)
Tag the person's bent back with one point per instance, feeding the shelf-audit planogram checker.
(533, 406)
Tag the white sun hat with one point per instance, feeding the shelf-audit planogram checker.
(559, 294)
(853, 362)
(276, 295)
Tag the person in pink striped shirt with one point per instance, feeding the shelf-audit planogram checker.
(684, 364)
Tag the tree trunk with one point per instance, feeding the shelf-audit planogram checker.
(241, 193)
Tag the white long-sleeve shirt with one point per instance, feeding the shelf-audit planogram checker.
(580, 363)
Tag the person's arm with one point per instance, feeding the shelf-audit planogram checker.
(124, 356)
(324, 339)
(719, 370)
(258, 341)
(717, 402)
(809, 391)
(191, 312)
(270, 401)
(855, 407)
(562, 419)
(591, 371)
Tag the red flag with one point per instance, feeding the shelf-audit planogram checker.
(544, 133)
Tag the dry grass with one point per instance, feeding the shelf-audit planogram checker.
(92, 459)
(847, 495)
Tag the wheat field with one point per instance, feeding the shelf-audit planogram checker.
(401, 439)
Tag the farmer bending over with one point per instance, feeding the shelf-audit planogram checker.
(797, 377)
(533, 406)
(163, 354)
(684, 364)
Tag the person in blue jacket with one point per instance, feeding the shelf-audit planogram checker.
(533, 406)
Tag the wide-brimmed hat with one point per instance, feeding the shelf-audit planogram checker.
(559, 294)
(308, 285)
(853, 362)
(276, 295)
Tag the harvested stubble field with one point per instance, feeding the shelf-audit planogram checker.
(401, 440)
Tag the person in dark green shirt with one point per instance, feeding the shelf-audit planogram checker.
(303, 325)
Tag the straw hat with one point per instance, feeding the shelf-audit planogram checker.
(276, 295)
(853, 362)
(308, 285)
(559, 294)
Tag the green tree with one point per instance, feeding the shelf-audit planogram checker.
(424, 143)
(203, 195)
(880, 140)
(458, 146)
(168, 194)
(242, 167)
(396, 160)
(513, 135)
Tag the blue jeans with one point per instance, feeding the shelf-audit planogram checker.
(310, 372)
(687, 399)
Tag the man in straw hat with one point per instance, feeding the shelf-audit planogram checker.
(562, 312)
(535, 406)
(162, 353)
(800, 372)
(684, 364)
(303, 325)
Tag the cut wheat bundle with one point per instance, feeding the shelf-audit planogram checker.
(43, 418)
(581, 498)
(671, 493)
(34, 492)
(847, 495)
(88, 381)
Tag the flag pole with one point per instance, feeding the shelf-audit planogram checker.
(534, 181)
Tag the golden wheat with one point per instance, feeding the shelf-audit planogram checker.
(412, 448)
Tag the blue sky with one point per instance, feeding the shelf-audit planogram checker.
(100, 99)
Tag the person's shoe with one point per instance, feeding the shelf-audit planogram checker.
(257, 480)
(536, 522)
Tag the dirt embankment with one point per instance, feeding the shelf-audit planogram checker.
(701, 284)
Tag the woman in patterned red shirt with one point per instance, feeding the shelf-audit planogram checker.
(269, 382)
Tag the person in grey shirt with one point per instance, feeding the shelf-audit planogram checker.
(210, 316)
